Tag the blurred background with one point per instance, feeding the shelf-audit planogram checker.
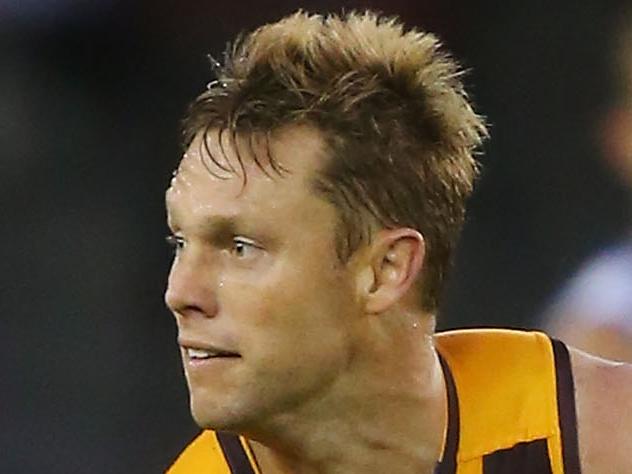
(91, 94)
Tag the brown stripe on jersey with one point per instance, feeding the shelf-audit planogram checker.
(566, 408)
(523, 458)
(448, 463)
(234, 453)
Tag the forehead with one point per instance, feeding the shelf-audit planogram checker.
(222, 174)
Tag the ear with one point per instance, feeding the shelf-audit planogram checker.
(396, 258)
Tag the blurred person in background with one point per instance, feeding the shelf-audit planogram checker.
(593, 311)
(313, 216)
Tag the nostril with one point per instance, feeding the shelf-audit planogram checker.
(190, 304)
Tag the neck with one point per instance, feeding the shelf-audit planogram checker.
(387, 413)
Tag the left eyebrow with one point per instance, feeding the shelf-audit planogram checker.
(213, 227)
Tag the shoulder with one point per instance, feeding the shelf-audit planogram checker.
(603, 393)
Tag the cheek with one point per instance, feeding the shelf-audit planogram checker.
(292, 315)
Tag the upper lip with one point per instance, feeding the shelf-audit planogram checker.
(205, 346)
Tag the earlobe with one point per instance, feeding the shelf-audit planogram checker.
(398, 256)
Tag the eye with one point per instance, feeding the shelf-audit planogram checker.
(175, 242)
(243, 248)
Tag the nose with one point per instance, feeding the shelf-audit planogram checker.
(190, 289)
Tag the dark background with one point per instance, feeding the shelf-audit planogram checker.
(91, 94)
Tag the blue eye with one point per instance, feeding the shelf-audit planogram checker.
(175, 242)
(243, 248)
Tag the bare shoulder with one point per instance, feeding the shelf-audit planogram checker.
(603, 393)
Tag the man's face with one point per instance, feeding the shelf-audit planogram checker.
(255, 285)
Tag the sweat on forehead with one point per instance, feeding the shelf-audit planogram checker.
(295, 150)
(226, 153)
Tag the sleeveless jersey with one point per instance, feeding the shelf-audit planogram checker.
(511, 410)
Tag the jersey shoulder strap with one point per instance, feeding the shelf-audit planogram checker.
(515, 400)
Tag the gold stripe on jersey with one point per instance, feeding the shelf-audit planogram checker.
(203, 456)
(250, 454)
(506, 390)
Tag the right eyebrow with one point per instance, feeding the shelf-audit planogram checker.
(219, 226)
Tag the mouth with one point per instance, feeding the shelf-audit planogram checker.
(196, 354)
(199, 352)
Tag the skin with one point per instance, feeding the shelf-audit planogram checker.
(334, 367)
(603, 395)
(320, 375)
(605, 341)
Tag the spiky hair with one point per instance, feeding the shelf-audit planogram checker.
(392, 110)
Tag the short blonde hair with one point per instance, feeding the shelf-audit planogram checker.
(390, 104)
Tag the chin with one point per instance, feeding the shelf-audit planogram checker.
(216, 416)
(209, 416)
